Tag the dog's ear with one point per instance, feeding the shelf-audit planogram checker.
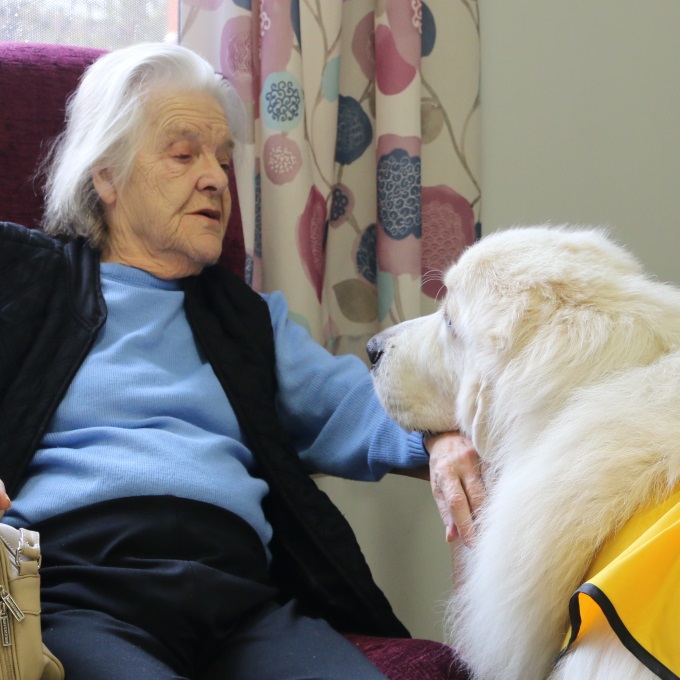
(480, 430)
(473, 404)
(499, 319)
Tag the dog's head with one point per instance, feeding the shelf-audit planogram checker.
(529, 315)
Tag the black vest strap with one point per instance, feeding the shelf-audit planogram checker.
(316, 557)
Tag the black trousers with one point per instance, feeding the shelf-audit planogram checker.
(161, 588)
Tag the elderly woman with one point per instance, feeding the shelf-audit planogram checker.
(160, 418)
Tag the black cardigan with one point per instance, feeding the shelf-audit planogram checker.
(51, 309)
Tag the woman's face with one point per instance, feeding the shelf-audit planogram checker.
(170, 217)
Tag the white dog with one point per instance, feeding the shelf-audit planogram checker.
(560, 359)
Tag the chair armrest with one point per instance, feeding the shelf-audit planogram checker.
(411, 659)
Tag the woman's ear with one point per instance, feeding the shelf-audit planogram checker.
(102, 178)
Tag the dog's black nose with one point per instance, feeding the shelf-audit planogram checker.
(374, 350)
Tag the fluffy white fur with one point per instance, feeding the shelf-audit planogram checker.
(560, 359)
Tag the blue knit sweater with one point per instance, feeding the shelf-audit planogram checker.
(145, 415)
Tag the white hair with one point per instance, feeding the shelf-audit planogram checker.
(104, 126)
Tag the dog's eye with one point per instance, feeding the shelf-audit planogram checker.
(447, 321)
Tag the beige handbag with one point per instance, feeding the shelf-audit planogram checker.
(23, 656)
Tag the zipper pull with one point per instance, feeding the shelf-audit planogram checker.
(11, 604)
(5, 632)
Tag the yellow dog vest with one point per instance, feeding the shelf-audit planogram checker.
(635, 583)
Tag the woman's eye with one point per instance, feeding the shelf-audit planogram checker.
(226, 167)
(183, 157)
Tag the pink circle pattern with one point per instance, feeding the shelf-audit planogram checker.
(236, 56)
(448, 227)
(282, 159)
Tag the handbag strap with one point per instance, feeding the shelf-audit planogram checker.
(28, 555)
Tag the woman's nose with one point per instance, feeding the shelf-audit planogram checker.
(214, 177)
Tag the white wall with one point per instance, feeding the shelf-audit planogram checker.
(581, 119)
(580, 124)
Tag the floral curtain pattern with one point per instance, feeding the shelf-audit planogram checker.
(358, 169)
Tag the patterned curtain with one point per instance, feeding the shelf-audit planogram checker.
(358, 168)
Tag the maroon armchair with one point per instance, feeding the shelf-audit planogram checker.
(35, 80)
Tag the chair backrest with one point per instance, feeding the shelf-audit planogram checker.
(35, 81)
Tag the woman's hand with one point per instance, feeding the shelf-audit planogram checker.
(5, 503)
(456, 481)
